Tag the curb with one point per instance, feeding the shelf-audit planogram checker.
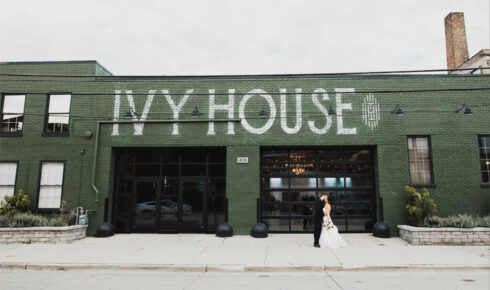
(228, 268)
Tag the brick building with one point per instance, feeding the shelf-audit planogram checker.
(182, 154)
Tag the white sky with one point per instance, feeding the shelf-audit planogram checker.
(238, 37)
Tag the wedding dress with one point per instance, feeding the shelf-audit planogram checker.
(330, 237)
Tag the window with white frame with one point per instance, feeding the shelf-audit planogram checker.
(485, 158)
(12, 114)
(8, 170)
(51, 185)
(419, 156)
(58, 118)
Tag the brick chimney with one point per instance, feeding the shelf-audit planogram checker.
(456, 44)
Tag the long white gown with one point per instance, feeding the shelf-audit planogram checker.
(330, 237)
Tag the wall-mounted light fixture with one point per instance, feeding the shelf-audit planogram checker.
(398, 110)
(467, 111)
(130, 113)
(195, 113)
(262, 113)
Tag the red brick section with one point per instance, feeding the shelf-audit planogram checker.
(456, 44)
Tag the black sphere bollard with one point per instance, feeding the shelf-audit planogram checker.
(105, 230)
(259, 230)
(224, 230)
(381, 230)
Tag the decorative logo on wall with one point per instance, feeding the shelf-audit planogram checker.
(370, 111)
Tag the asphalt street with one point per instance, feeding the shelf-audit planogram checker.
(13, 279)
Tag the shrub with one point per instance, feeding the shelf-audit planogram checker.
(56, 222)
(4, 221)
(15, 204)
(420, 206)
(457, 221)
(27, 220)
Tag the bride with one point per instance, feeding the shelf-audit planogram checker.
(329, 237)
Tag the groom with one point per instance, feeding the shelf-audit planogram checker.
(318, 218)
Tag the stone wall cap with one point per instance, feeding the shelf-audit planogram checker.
(426, 229)
(67, 228)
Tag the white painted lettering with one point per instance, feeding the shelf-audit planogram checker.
(272, 109)
(339, 108)
(176, 108)
(230, 107)
(323, 109)
(299, 120)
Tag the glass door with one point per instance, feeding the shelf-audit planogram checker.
(145, 206)
(169, 205)
(192, 207)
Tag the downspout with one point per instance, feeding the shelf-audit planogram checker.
(99, 123)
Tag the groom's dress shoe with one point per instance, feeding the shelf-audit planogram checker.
(316, 245)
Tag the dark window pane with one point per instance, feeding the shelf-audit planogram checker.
(326, 169)
(124, 203)
(193, 170)
(275, 169)
(275, 156)
(304, 156)
(147, 170)
(194, 155)
(125, 169)
(277, 224)
(217, 170)
(147, 156)
(171, 156)
(171, 170)
(302, 224)
(274, 195)
(358, 155)
(216, 186)
(217, 154)
(362, 224)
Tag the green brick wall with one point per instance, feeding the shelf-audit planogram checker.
(453, 135)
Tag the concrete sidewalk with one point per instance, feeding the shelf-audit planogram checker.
(278, 252)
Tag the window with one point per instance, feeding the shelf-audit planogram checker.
(58, 118)
(8, 171)
(485, 158)
(12, 115)
(419, 157)
(51, 185)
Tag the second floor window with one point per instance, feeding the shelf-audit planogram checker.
(419, 156)
(13, 115)
(58, 118)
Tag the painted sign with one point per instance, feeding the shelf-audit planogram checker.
(318, 98)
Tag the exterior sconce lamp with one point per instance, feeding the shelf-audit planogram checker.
(195, 113)
(467, 111)
(398, 110)
(262, 113)
(331, 111)
(130, 114)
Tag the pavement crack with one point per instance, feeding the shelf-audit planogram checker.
(335, 256)
(266, 254)
(333, 279)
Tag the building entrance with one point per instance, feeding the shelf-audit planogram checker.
(170, 190)
(293, 178)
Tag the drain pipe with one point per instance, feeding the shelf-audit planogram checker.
(99, 123)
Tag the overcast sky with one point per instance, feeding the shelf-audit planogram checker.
(238, 37)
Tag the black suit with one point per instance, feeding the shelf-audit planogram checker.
(318, 219)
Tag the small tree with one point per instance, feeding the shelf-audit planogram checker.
(419, 206)
(15, 204)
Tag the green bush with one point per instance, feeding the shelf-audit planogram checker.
(4, 221)
(457, 221)
(27, 220)
(31, 220)
(420, 206)
(15, 204)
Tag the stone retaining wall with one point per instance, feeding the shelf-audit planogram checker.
(46, 235)
(445, 236)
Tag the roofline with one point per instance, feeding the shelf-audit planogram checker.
(49, 62)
